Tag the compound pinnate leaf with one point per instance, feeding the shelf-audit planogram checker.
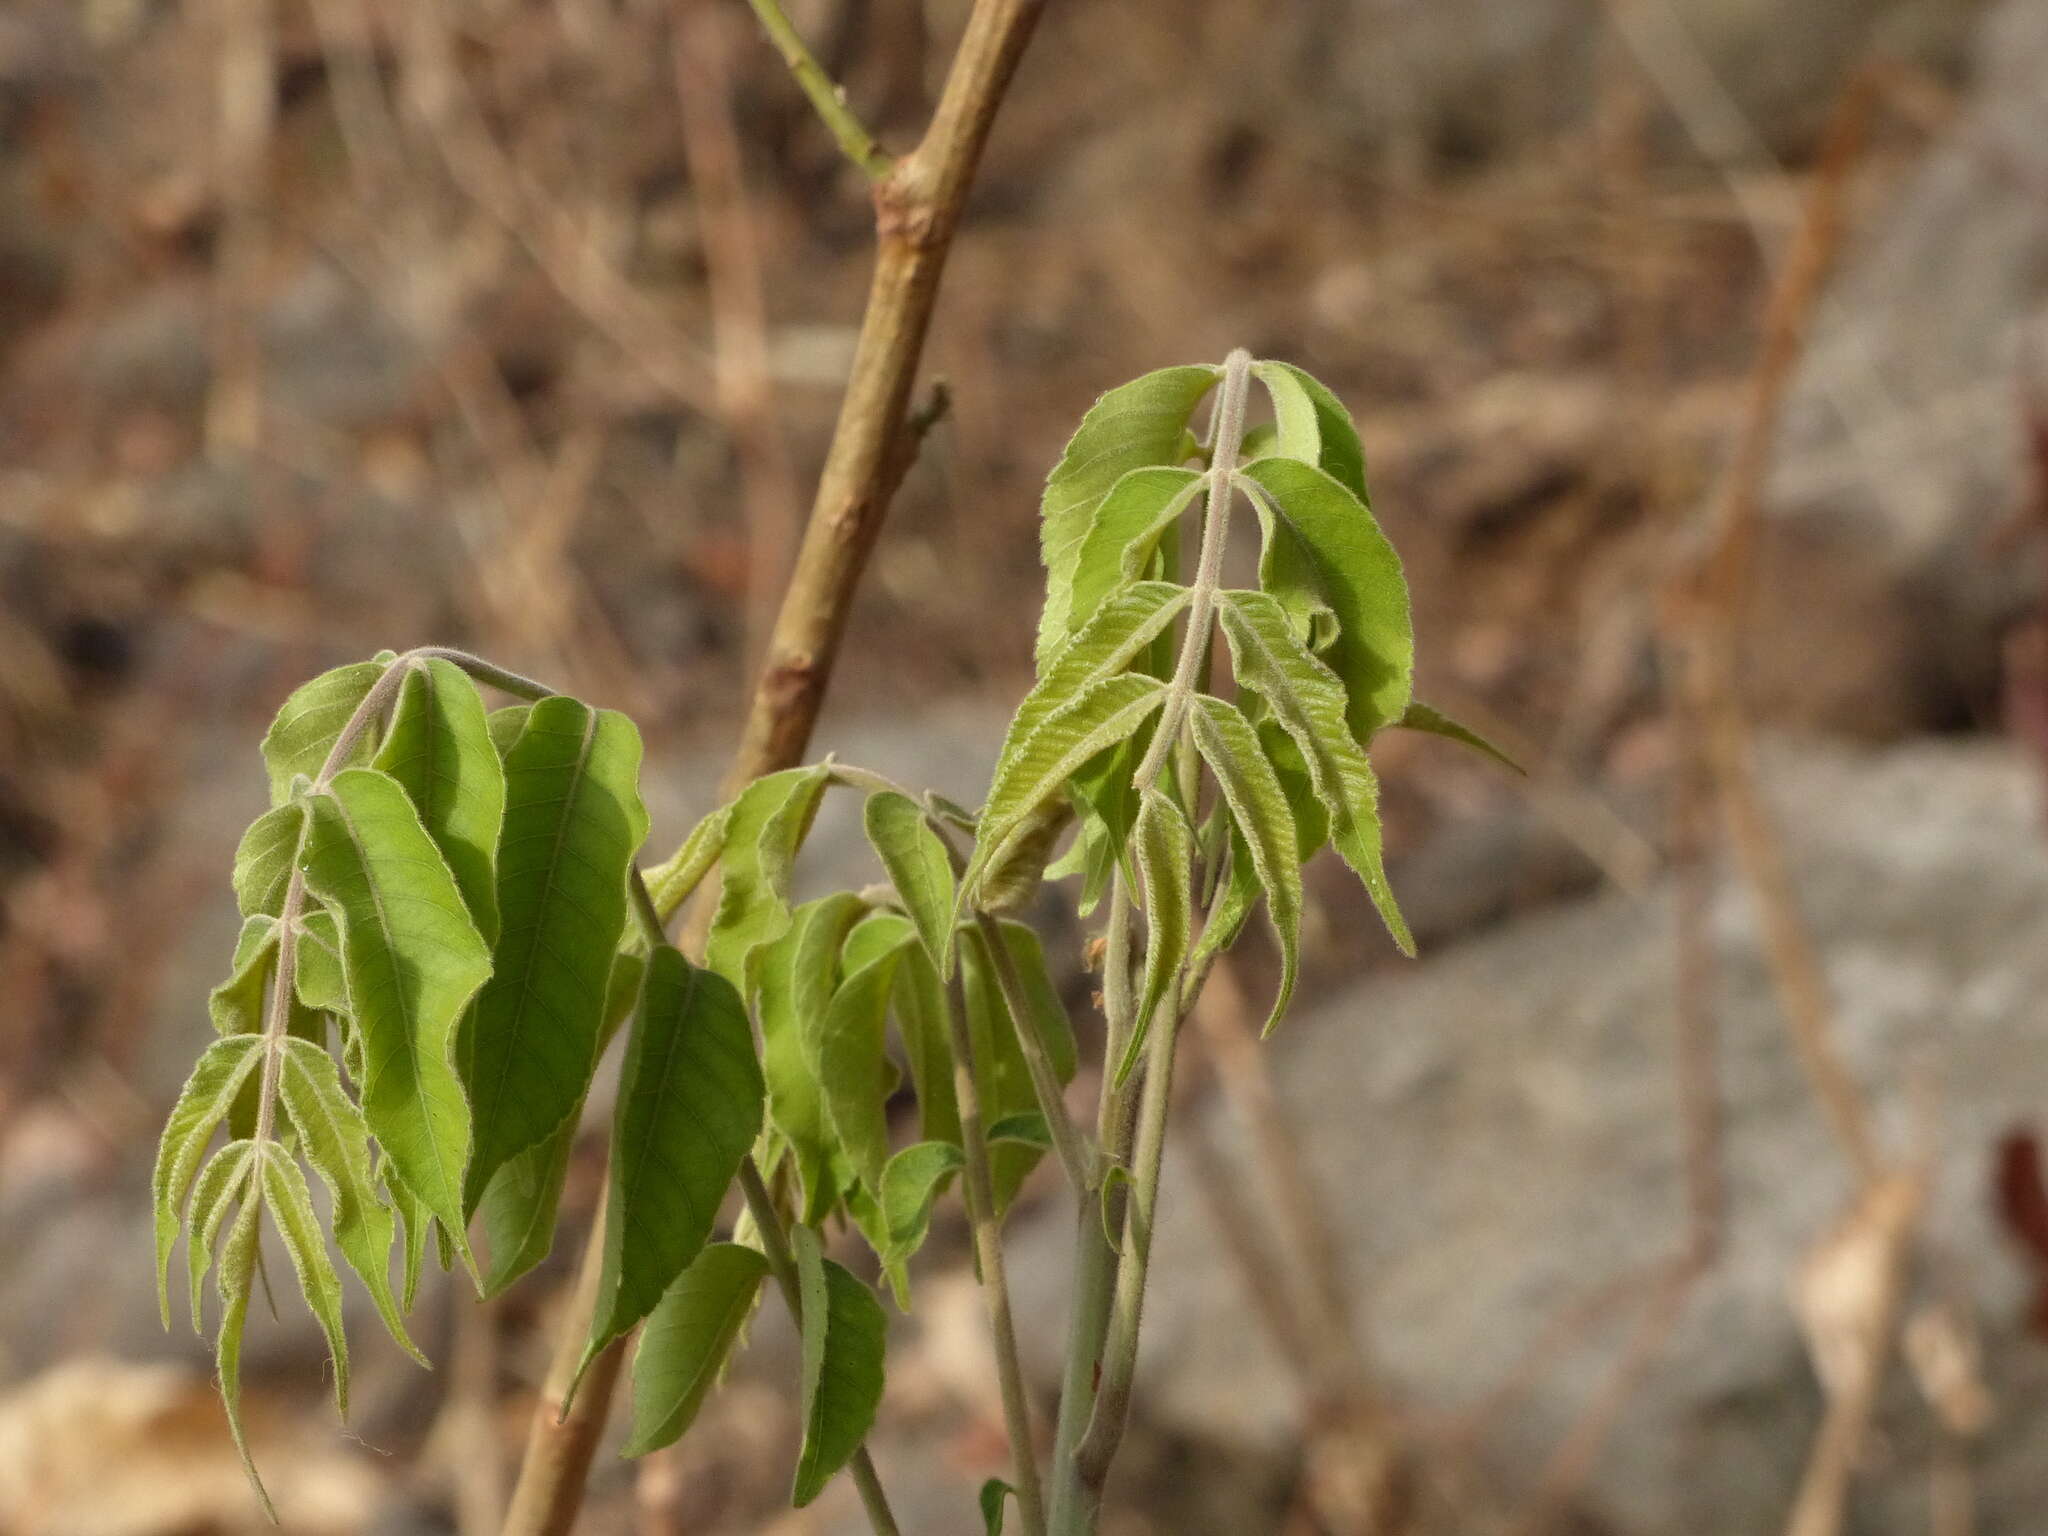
(335, 1139)
(1123, 531)
(203, 1104)
(1313, 425)
(1258, 807)
(1421, 717)
(770, 819)
(573, 822)
(1305, 699)
(310, 721)
(291, 1207)
(687, 1339)
(438, 746)
(221, 1183)
(1340, 582)
(689, 1108)
(1101, 715)
(1166, 857)
(413, 960)
(264, 858)
(918, 867)
(1141, 423)
(844, 1330)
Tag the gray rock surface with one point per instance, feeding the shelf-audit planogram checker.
(1496, 1129)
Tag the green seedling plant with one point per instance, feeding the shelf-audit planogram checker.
(445, 924)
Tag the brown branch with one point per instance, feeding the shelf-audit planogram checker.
(917, 208)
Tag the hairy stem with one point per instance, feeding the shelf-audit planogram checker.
(1074, 1155)
(995, 1284)
(1194, 650)
(846, 128)
(782, 1264)
(1120, 1351)
(1095, 1258)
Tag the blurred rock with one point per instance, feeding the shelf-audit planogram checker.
(1901, 447)
(103, 1447)
(1498, 1129)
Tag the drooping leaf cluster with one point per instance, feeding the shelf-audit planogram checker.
(444, 928)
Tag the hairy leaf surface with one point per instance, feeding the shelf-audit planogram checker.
(1313, 425)
(670, 883)
(414, 960)
(911, 1185)
(202, 1106)
(311, 719)
(264, 859)
(795, 976)
(1166, 857)
(291, 1207)
(687, 1340)
(336, 1140)
(1124, 530)
(1306, 700)
(1258, 806)
(1420, 717)
(573, 822)
(1333, 571)
(1103, 714)
(1139, 423)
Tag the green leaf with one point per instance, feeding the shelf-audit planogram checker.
(1420, 717)
(993, 1494)
(918, 867)
(1026, 1130)
(1042, 994)
(237, 1271)
(291, 1207)
(770, 820)
(573, 822)
(418, 1223)
(1103, 714)
(438, 747)
(911, 1185)
(1340, 582)
(1123, 531)
(844, 1331)
(204, 1102)
(505, 723)
(794, 978)
(336, 1141)
(671, 883)
(308, 725)
(1306, 700)
(689, 1108)
(414, 960)
(236, 1005)
(519, 1204)
(847, 1056)
(1258, 806)
(223, 1181)
(920, 1002)
(1139, 423)
(687, 1339)
(322, 983)
(1313, 425)
(1001, 1077)
(1166, 859)
(263, 861)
